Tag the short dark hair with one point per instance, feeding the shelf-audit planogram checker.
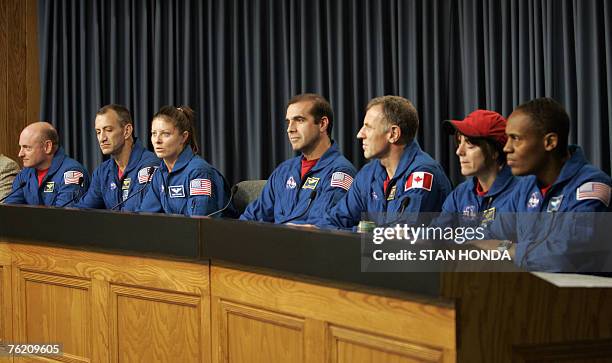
(183, 118)
(123, 114)
(488, 147)
(320, 108)
(401, 112)
(548, 115)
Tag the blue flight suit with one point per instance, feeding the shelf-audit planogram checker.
(558, 232)
(286, 196)
(402, 198)
(464, 207)
(107, 190)
(58, 187)
(192, 188)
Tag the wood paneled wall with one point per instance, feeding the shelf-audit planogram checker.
(19, 72)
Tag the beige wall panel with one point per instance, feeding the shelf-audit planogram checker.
(19, 74)
(154, 326)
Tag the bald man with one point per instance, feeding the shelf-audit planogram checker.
(49, 176)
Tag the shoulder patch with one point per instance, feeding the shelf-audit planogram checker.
(200, 187)
(594, 190)
(143, 174)
(419, 180)
(72, 177)
(341, 180)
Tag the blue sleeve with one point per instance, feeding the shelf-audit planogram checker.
(93, 198)
(423, 200)
(67, 192)
(591, 205)
(449, 214)
(151, 202)
(200, 203)
(347, 212)
(262, 208)
(19, 196)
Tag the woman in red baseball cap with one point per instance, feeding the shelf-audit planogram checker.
(480, 141)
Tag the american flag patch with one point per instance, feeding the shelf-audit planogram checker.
(143, 175)
(200, 187)
(72, 177)
(594, 190)
(341, 180)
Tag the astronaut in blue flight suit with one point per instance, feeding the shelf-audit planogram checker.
(480, 138)
(401, 179)
(49, 176)
(554, 226)
(302, 189)
(127, 172)
(185, 183)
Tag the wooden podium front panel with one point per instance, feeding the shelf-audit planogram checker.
(106, 308)
(251, 333)
(149, 326)
(275, 319)
(353, 346)
(53, 308)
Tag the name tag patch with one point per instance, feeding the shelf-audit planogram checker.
(310, 183)
(392, 192)
(554, 204)
(49, 187)
(176, 191)
(126, 184)
(488, 216)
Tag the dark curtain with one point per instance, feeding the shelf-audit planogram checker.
(237, 62)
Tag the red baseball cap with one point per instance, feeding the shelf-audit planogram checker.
(480, 123)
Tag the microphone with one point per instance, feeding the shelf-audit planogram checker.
(403, 206)
(21, 185)
(78, 194)
(312, 196)
(232, 192)
(150, 172)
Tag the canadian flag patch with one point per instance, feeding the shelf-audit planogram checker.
(419, 180)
